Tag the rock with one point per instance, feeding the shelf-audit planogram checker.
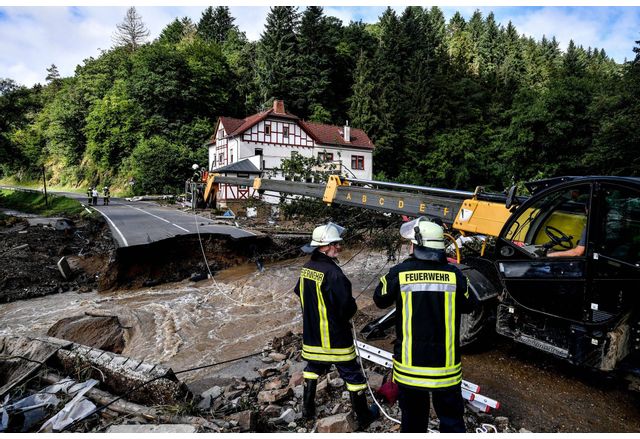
(232, 392)
(321, 389)
(502, 423)
(524, 430)
(277, 356)
(272, 410)
(296, 379)
(301, 430)
(269, 396)
(375, 380)
(333, 375)
(336, 408)
(287, 416)
(340, 423)
(298, 391)
(267, 372)
(292, 425)
(246, 420)
(63, 224)
(336, 382)
(275, 384)
(208, 396)
(345, 394)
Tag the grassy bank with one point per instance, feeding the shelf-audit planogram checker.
(32, 202)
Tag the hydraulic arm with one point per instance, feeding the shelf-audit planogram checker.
(469, 212)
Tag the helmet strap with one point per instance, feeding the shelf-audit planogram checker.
(418, 235)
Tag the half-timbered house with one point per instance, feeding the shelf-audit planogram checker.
(264, 139)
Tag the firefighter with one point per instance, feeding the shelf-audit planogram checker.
(429, 295)
(89, 197)
(106, 195)
(327, 307)
(94, 196)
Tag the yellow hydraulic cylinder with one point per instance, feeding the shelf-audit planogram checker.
(481, 217)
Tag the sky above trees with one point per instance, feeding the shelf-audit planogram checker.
(32, 38)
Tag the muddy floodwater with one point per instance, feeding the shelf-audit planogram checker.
(184, 325)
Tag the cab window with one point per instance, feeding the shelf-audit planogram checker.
(554, 222)
(621, 234)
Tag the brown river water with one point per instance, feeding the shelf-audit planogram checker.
(185, 324)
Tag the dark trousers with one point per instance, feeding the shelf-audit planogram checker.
(349, 371)
(448, 404)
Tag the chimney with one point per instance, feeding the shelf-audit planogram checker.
(278, 106)
(347, 132)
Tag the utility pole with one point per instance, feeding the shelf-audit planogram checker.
(44, 181)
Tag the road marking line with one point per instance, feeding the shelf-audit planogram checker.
(148, 213)
(160, 218)
(126, 244)
(181, 228)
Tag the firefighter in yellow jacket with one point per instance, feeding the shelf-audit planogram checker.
(429, 294)
(327, 307)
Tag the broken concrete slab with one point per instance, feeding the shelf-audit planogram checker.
(65, 269)
(151, 428)
(120, 374)
(340, 423)
(33, 352)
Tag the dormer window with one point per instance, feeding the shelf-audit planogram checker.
(267, 129)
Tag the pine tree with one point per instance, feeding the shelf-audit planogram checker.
(215, 24)
(276, 64)
(316, 53)
(177, 30)
(131, 32)
(52, 74)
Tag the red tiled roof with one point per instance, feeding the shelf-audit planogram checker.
(321, 133)
(333, 135)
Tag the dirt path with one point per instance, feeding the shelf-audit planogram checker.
(546, 395)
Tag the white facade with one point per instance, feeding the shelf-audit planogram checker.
(277, 139)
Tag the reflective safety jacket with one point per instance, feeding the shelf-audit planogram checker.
(429, 298)
(327, 307)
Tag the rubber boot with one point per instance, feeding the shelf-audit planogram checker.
(309, 399)
(365, 415)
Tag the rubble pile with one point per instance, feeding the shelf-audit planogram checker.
(31, 249)
(273, 402)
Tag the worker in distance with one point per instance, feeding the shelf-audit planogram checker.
(327, 308)
(429, 294)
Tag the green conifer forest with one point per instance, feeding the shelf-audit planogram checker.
(451, 103)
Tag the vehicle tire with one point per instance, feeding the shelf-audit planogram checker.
(478, 325)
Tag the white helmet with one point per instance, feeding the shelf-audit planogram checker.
(324, 235)
(423, 233)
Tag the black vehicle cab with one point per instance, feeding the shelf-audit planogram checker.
(584, 307)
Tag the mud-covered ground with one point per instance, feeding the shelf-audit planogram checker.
(539, 393)
(29, 255)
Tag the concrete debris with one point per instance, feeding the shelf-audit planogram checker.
(375, 380)
(245, 420)
(340, 423)
(151, 428)
(269, 401)
(209, 396)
